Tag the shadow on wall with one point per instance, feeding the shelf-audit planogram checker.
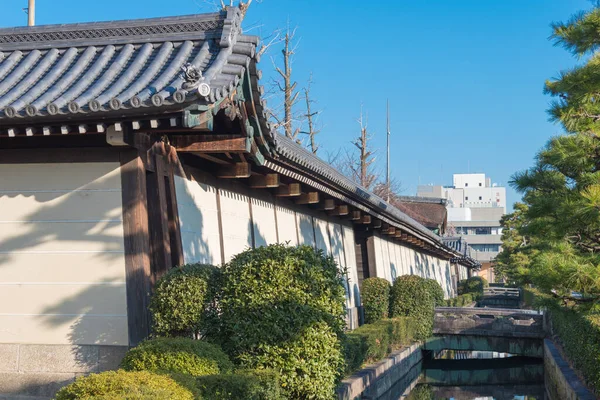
(66, 247)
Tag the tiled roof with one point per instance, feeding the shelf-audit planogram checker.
(432, 215)
(95, 69)
(293, 153)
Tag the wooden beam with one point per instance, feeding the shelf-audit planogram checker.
(327, 204)
(404, 237)
(356, 215)
(340, 211)
(212, 158)
(264, 181)
(291, 190)
(390, 231)
(232, 171)
(210, 143)
(308, 198)
(398, 235)
(366, 219)
(377, 224)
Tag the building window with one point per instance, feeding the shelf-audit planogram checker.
(486, 247)
(480, 198)
(483, 231)
(479, 183)
(466, 184)
(467, 198)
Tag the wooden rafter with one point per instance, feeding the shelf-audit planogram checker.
(264, 181)
(291, 190)
(308, 198)
(237, 170)
(210, 143)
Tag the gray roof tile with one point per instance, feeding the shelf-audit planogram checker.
(109, 67)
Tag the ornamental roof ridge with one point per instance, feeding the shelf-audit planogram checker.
(176, 28)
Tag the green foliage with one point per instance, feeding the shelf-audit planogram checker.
(578, 329)
(373, 342)
(462, 300)
(248, 385)
(375, 295)
(474, 284)
(118, 385)
(436, 291)
(412, 296)
(421, 392)
(283, 308)
(182, 298)
(177, 355)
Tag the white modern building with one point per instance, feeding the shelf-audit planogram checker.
(475, 207)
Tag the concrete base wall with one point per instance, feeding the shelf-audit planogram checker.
(29, 371)
(561, 381)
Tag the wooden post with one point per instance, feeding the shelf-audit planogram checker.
(137, 245)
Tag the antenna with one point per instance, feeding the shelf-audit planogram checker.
(389, 187)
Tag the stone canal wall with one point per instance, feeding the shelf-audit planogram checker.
(561, 381)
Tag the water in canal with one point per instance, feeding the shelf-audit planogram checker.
(472, 375)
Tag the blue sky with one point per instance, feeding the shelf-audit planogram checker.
(464, 77)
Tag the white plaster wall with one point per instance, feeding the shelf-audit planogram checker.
(237, 225)
(199, 221)
(263, 217)
(350, 255)
(62, 263)
(322, 240)
(286, 226)
(306, 232)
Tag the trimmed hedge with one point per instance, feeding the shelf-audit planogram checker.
(181, 299)
(375, 295)
(436, 291)
(114, 385)
(578, 332)
(462, 300)
(421, 392)
(249, 385)
(177, 355)
(413, 296)
(474, 284)
(373, 342)
(283, 308)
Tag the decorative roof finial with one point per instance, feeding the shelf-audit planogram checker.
(192, 76)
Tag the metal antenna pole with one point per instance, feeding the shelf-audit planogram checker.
(31, 13)
(389, 188)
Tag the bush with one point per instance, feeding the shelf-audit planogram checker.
(436, 291)
(375, 296)
(283, 308)
(412, 296)
(249, 385)
(462, 300)
(421, 392)
(373, 342)
(578, 332)
(177, 355)
(474, 284)
(181, 298)
(116, 385)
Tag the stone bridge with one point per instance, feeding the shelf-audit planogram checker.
(499, 297)
(517, 332)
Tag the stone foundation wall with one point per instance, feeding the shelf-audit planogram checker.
(36, 372)
(561, 381)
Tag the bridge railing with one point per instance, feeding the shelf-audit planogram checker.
(489, 322)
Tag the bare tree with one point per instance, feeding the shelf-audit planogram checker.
(310, 118)
(391, 191)
(360, 167)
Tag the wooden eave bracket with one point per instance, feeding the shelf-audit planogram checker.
(340, 211)
(308, 198)
(264, 181)
(211, 143)
(291, 190)
(232, 171)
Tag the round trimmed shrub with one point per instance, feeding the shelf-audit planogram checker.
(474, 284)
(283, 308)
(375, 296)
(244, 384)
(177, 355)
(412, 296)
(124, 385)
(436, 291)
(181, 299)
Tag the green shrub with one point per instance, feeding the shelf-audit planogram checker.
(373, 342)
(181, 299)
(283, 308)
(578, 332)
(421, 392)
(474, 284)
(436, 291)
(248, 385)
(412, 296)
(178, 355)
(120, 384)
(462, 300)
(375, 295)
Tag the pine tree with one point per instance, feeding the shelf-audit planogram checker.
(562, 189)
